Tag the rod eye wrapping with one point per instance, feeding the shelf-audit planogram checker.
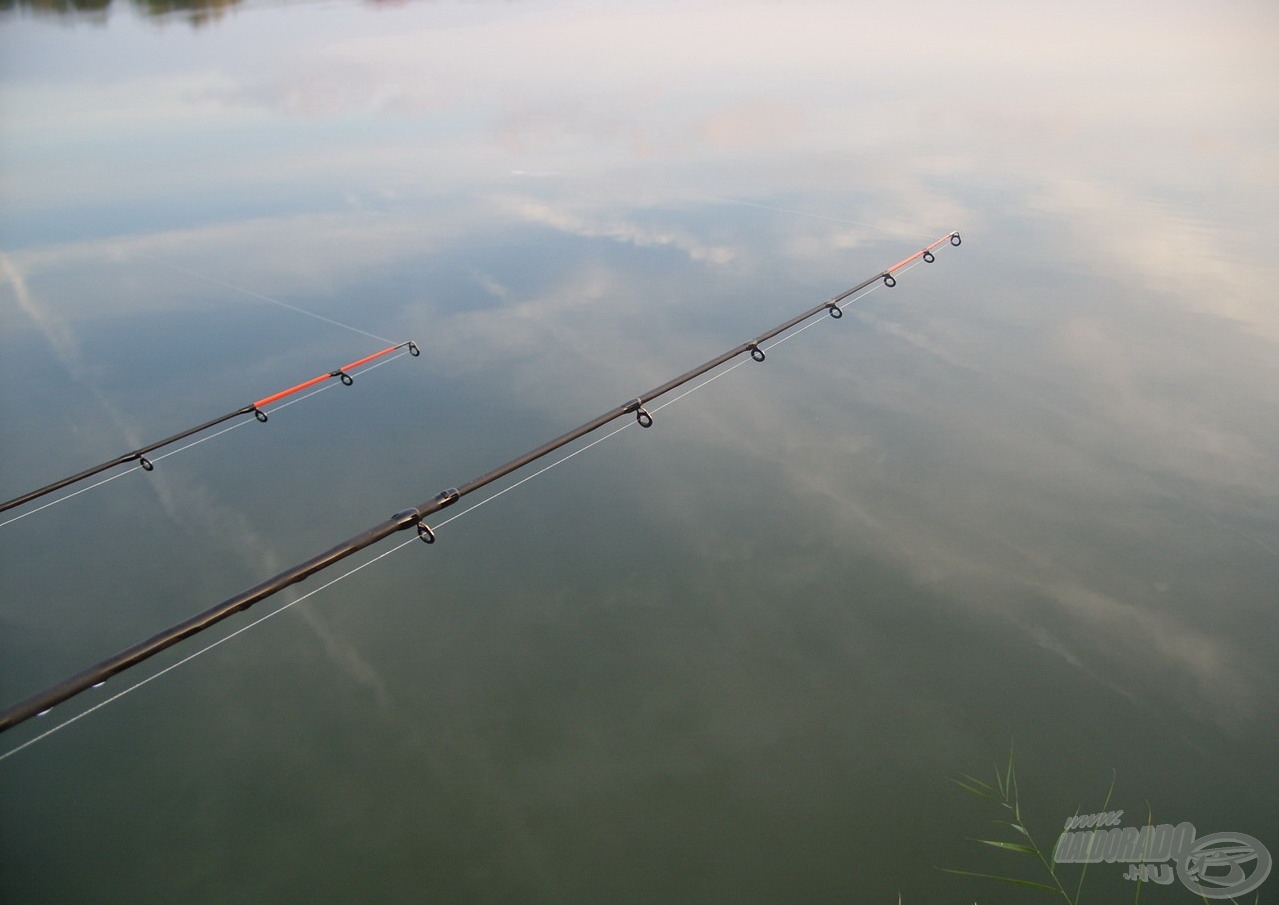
(929, 257)
(955, 240)
(835, 311)
(414, 350)
(757, 353)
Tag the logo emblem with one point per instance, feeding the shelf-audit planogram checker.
(1215, 867)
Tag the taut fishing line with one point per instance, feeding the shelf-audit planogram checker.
(257, 409)
(267, 298)
(271, 411)
(94, 676)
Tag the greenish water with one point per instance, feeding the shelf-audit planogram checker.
(1030, 495)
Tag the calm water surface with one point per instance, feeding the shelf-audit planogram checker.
(1028, 497)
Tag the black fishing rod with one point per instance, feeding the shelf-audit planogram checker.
(254, 408)
(416, 516)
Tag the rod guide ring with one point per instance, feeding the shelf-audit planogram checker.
(642, 416)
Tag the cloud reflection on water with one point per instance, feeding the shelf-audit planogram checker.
(1064, 427)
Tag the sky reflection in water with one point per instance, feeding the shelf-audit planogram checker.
(1030, 493)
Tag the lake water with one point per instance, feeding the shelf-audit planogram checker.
(1029, 497)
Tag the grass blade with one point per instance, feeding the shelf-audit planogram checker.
(976, 787)
(1009, 846)
(1013, 880)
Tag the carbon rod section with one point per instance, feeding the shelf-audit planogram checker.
(134, 456)
(139, 455)
(409, 518)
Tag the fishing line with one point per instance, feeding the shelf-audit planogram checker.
(257, 409)
(415, 517)
(187, 659)
(267, 298)
(400, 546)
(271, 411)
(667, 404)
(74, 493)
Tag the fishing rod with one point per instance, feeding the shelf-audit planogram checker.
(416, 516)
(256, 409)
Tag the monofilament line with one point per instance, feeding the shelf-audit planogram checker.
(400, 546)
(657, 408)
(267, 298)
(189, 657)
(63, 499)
(270, 411)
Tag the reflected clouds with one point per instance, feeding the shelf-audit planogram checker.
(618, 229)
(1125, 399)
(1032, 490)
(1016, 434)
